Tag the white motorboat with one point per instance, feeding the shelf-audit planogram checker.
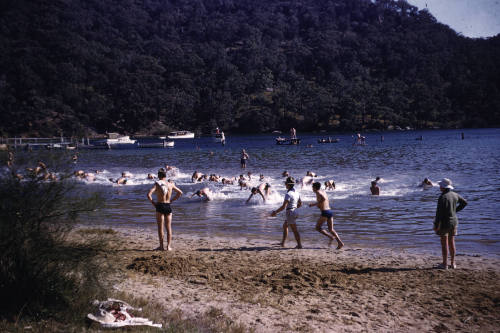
(181, 135)
(118, 141)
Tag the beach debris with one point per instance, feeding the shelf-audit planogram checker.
(115, 313)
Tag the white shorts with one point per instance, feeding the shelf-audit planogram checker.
(291, 216)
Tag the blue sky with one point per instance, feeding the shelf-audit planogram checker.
(471, 18)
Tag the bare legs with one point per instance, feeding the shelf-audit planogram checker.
(335, 236)
(448, 243)
(160, 220)
(295, 233)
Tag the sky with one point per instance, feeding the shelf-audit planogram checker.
(471, 18)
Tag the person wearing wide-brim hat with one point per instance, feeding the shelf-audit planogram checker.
(446, 221)
(291, 203)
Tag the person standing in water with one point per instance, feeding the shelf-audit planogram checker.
(164, 198)
(291, 203)
(244, 158)
(446, 221)
(326, 214)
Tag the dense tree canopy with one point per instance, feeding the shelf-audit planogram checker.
(143, 66)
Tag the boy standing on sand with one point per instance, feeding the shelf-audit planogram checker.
(163, 191)
(446, 222)
(326, 214)
(291, 203)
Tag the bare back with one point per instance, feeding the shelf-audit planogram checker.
(322, 198)
(164, 191)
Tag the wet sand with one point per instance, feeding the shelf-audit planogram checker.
(272, 289)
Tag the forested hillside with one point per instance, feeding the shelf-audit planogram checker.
(82, 67)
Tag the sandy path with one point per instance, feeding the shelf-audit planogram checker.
(271, 289)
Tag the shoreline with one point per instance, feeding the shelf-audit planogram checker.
(321, 241)
(268, 289)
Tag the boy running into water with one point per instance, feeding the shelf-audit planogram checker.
(326, 214)
(291, 203)
(163, 191)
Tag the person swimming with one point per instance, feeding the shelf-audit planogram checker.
(204, 193)
(263, 189)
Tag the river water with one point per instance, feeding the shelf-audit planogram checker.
(401, 217)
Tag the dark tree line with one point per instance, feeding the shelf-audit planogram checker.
(145, 66)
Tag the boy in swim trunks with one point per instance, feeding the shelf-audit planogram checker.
(326, 214)
(164, 198)
(291, 203)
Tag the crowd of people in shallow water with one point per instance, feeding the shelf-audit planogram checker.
(445, 223)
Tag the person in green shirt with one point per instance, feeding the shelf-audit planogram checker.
(446, 221)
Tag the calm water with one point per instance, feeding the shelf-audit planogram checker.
(401, 217)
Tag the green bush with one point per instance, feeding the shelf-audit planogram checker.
(42, 274)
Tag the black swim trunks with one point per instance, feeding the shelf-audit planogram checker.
(327, 213)
(163, 208)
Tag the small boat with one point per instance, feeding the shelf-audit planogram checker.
(329, 140)
(284, 141)
(117, 141)
(181, 135)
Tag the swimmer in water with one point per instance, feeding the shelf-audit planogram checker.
(323, 204)
(227, 181)
(285, 174)
(263, 189)
(249, 174)
(151, 176)
(374, 188)
(426, 184)
(196, 177)
(330, 185)
(242, 182)
(204, 193)
(261, 178)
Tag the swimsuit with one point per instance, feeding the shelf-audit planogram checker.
(327, 213)
(163, 208)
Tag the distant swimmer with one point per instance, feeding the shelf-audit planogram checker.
(89, 176)
(374, 188)
(249, 174)
(330, 184)
(291, 202)
(226, 181)
(204, 193)
(263, 189)
(242, 182)
(120, 181)
(196, 177)
(40, 168)
(79, 174)
(307, 180)
(10, 159)
(151, 176)
(127, 174)
(323, 204)
(379, 180)
(261, 177)
(244, 158)
(213, 178)
(74, 158)
(426, 184)
(312, 174)
(164, 198)
(285, 174)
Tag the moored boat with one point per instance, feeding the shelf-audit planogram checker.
(181, 135)
(117, 141)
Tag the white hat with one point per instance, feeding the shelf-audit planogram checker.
(445, 183)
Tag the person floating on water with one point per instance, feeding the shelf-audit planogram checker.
(291, 202)
(426, 184)
(242, 182)
(244, 158)
(204, 193)
(330, 185)
(263, 189)
(374, 188)
(164, 198)
(326, 214)
(446, 221)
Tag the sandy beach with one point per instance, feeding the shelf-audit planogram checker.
(267, 288)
